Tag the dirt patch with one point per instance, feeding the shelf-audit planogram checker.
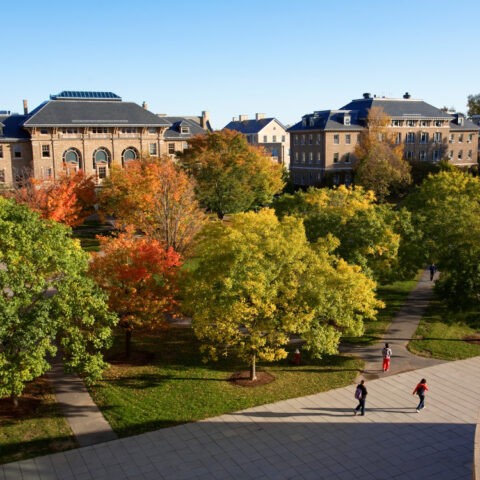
(242, 379)
(31, 400)
(137, 358)
(475, 339)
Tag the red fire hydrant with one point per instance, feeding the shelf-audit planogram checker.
(296, 357)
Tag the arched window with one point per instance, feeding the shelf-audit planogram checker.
(72, 158)
(129, 154)
(101, 156)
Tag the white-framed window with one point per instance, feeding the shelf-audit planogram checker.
(152, 130)
(265, 139)
(310, 157)
(410, 137)
(398, 138)
(423, 137)
(439, 123)
(452, 138)
(302, 140)
(470, 154)
(348, 139)
(17, 151)
(346, 120)
(460, 138)
(423, 155)
(46, 151)
(153, 149)
(409, 155)
(171, 148)
(274, 139)
(303, 157)
(436, 155)
(283, 138)
(99, 130)
(450, 154)
(310, 139)
(424, 123)
(397, 123)
(411, 123)
(460, 154)
(318, 139)
(184, 129)
(437, 137)
(336, 139)
(47, 173)
(295, 139)
(470, 137)
(318, 157)
(335, 157)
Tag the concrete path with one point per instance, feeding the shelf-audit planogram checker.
(81, 413)
(398, 335)
(314, 437)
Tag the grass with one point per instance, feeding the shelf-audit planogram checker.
(37, 428)
(441, 332)
(87, 233)
(177, 387)
(394, 296)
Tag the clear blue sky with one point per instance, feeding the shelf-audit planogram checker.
(280, 57)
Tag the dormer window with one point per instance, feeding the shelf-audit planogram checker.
(304, 122)
(346, 120)
(184, 130)
(311, 121)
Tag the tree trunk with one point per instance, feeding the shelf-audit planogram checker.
(128, 342)
(14, 401)
(253, 371)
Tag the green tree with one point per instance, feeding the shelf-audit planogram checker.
(259, 281)
(376, 237)
(46, 297)
(473, 102)
(232, 176)
(446, 209)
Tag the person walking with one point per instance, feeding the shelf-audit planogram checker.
(421, 389)
(387, 354)
(361, 396)
(432, 269)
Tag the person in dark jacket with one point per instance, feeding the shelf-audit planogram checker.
(432, 269)
(421, 390)
(361, 396)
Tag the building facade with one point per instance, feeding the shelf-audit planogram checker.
(84, 130)
(323, 143)
(264, 132)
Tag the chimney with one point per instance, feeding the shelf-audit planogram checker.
(406, 96)
(234, 119)
(242, 118)
(366, 95)
(144, 105)
(25, 107)
(259, 116)
(205, 119)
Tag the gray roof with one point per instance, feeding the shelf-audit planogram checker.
(396, 108)
(329, 120)
(12, 127)
(93, 113)
(174, 133)
(250, 126)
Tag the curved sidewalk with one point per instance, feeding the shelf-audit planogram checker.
(314, 437)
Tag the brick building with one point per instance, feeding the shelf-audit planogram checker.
(323, 142)
(88, 131)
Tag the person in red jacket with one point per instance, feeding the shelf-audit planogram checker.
(421, 389)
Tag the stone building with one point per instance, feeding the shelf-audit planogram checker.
(85, 130)
(268, 133)
(323, 142)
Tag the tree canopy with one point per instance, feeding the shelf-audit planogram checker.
(381, 167)
(258, 281)
(156, 197)
(46, 296)
(231, 175)
(376, 237)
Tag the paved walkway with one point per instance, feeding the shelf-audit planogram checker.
(81, 413)
(314, 437)
(398, 335)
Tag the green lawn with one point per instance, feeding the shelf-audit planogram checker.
(393, 295)
(87, 234)
(442, 330)
(177, 387)
(36, 428)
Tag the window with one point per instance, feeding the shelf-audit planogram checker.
(303, 157)
(295, 139)
(310, 139)
(72, 158)
(335, 157)
(101, 155)
(398, 138)
(452, 138)
(318, 157)
(184, 130)
(302, 140)
(44, 131)
(336, 139)
(2, 175)
(460, 138)
(102, 172)
(296, 157)
(410, 137)
(153, 149)
(348, 179)
(409, 155)
(153, 131)
(346, 120)
(265, 138)
(424, 123)
(185, 145)
(423, 137)
(310, 157)
(274, 152)
(347, 158)
(283, 138)
(47, 173)
(171, 148)
(411, 123)
(336, 179)
(129, 130)
(470, 154)
(70, 131)
(423, 155)
(437, 137)
(274, 139)
(17, 151)
(97, 130)
(46, 151)
(450, 154)
(470, 137)
(438, 123)
(436, 155)
(397, 123)
(318, 139)
(348, 139)
(128, 155)
(1, 151)
(460, 154)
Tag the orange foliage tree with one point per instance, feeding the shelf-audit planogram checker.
(139, 275)
(68, 199)
(156, 197)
